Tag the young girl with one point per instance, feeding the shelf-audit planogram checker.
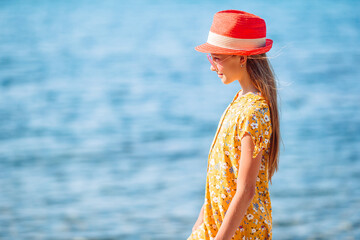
(244, 153)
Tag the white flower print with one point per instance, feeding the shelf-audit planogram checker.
(265, 221)
(266, 132)
(223, 196)
(253, 230)
(266, 140)
(227, 189)
(227, 153)
(262, 167)
(217, 186)
(266, 117)
(262, 209)
(212, 162)
(254, 125)
(224, 165)
(257, 179)
(239, 147)
(215, 199)
(217, 177)
(249, 216)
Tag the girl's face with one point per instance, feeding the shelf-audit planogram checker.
(228, 67)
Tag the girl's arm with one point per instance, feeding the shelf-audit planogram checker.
(200, 219)
(245, 189)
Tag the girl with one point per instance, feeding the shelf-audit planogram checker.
(244, 153)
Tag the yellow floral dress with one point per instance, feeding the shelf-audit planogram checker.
(246, 113)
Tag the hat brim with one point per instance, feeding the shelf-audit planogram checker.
(208, 48)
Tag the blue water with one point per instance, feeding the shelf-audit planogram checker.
(108, 113)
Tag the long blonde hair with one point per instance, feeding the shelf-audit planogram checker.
(263, 77)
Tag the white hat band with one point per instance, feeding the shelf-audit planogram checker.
(235, 43)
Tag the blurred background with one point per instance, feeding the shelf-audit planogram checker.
(108, 114)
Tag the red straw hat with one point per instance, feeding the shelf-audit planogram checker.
(238, 33)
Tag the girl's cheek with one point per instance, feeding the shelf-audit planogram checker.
(220, 68)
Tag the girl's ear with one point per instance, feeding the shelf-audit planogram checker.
(243, 59)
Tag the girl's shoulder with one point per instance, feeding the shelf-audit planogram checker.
(252, 105)
(251, 101)
(260, 103)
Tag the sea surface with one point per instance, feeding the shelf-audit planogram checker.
(107, 114)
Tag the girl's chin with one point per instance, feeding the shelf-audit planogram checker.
(224, 80)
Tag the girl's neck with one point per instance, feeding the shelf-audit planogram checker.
(248, 89)
(246, 84)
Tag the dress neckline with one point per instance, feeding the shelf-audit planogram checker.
(238, 96)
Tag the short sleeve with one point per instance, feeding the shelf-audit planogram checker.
(257, 123)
